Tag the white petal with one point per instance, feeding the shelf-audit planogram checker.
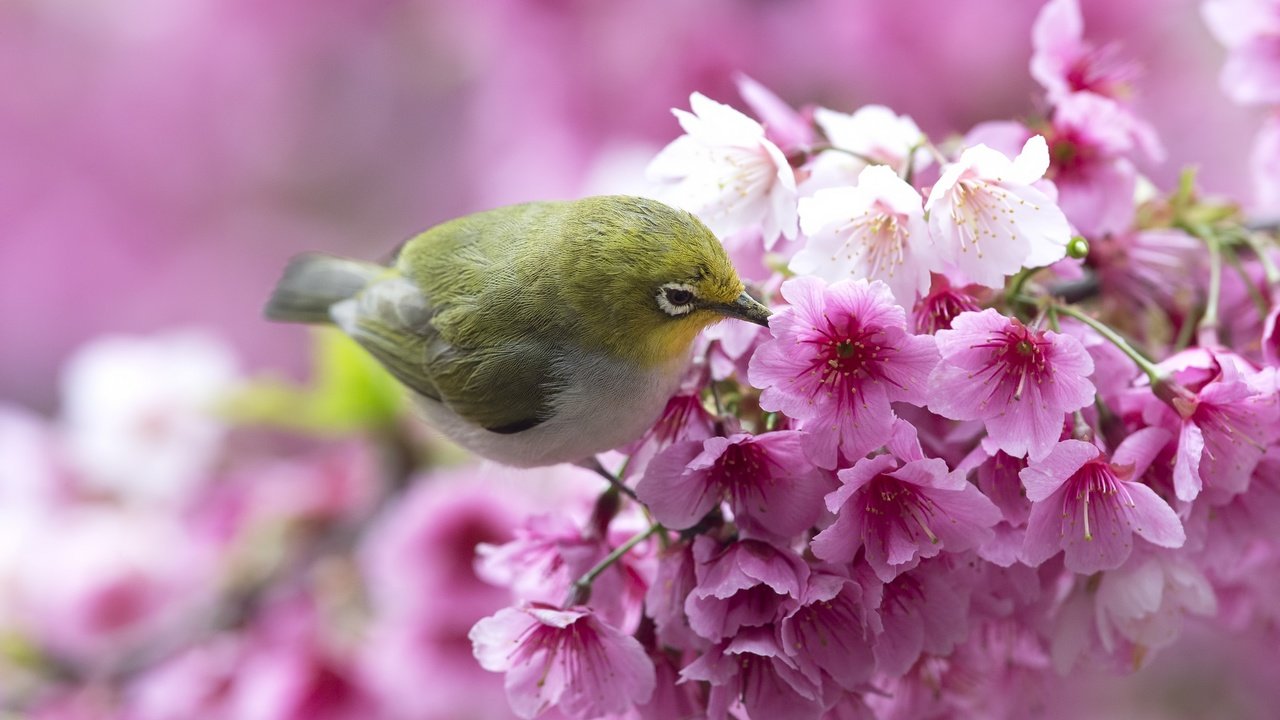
(1032, 163)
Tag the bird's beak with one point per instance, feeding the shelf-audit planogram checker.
(747, 308)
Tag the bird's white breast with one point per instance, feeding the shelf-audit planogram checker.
(605, 403)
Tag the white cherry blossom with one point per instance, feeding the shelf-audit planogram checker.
(874, 231)
(988, 219)
(138, 412)
(725, 171)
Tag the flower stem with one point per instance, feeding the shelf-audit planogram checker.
(1208, 331)
(1153, 373)
(593, 464)
(581, 589)
(1269, 269)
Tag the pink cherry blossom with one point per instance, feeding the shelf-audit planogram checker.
(771, 489)
(902, 513)
(1148, 269)
(1231, 527)
(924, 610)
(1224, 415)
(840, 355)
(997, 478)
(674, 581)
(95, 583)
(673, 697)
(748, 583)
(1092, 142)
(874, 230)
(1250, 29)
(279, 668)
(1090, 507)
(1020, 382)
(1142, 604)
(833, 629)
(974, 679)
(989, 221)
(568, 659)
(725, 171)
(550, 553)
(684, 419)
(424, 542)
(1063, 63)
(935, 311)
(753, 669)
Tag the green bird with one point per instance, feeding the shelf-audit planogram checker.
(533, 334)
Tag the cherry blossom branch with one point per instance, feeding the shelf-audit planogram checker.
(1208, 327)
(1152, 372)
(593, 464)
(1269, 269)
(581, 588)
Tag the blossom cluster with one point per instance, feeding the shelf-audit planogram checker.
(949, 470)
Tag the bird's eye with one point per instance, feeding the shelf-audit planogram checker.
(678, 296)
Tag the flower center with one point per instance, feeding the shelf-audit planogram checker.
(939, 308)
(1018, 355)
(739, 469)
(880, 240)
(888, 500)
(1096, 478)
(983, 209)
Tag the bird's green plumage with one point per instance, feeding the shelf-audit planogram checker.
(489, 313)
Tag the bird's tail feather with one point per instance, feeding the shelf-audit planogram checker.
(313, 282)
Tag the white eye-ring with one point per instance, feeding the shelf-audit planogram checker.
(676, 298)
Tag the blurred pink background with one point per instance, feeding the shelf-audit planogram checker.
(162, 158)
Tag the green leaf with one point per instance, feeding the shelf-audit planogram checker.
(349, 392)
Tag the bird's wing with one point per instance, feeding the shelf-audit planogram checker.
(505, 388)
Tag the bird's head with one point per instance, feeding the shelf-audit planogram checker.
(649, 277)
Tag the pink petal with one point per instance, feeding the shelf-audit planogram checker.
(782, 123)
(1043, 477)
(1029, 425)
(908, 369)
(870, 426)
(841, 540)
(612, 676)
(1110, 536)
(856, 477)
(831, 635)
(493, 638)
(821, 443)
(1044, 538)
(1186, 465)
(1005, 545)
(677, 498)
(969, 516)
(955, 393)
(1140, 449)
(532, 688)
(897, 648)
(1153, 519)
(783, 572)
(787, 504)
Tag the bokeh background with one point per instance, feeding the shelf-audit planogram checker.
(161, 159)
